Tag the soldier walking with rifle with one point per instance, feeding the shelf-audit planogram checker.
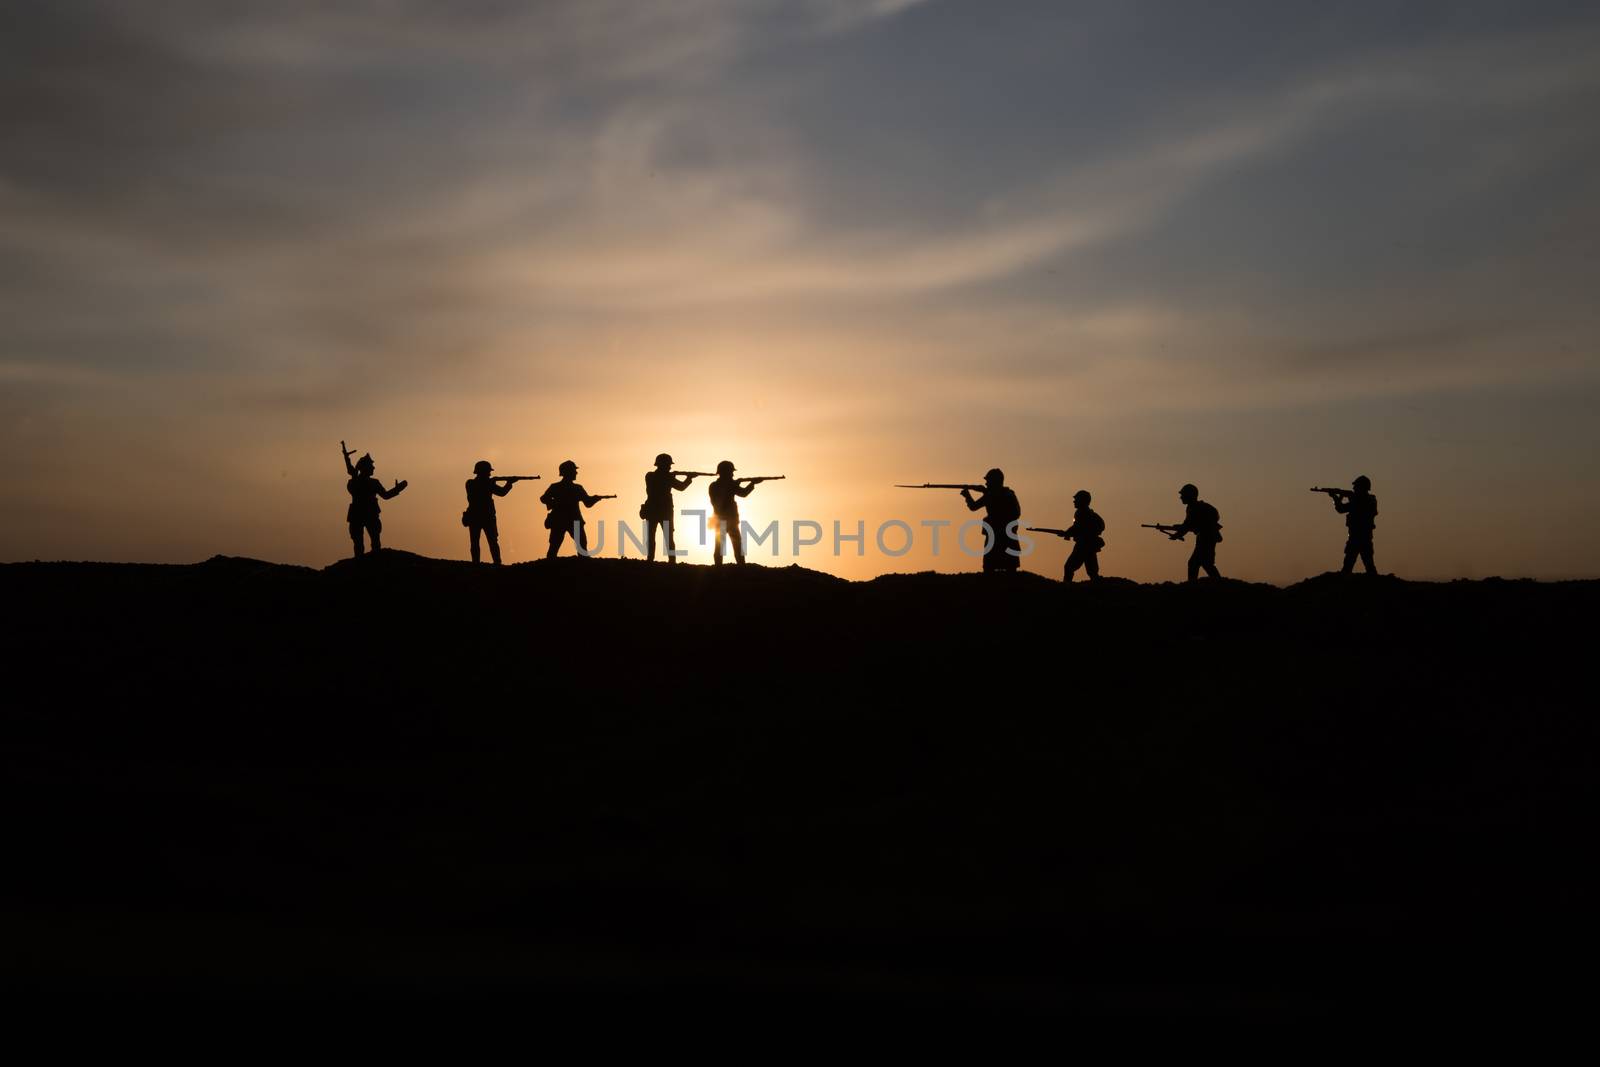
(657, 509)
(1084, 533)
(1360, 510)
(365, 490)
(479, 518)
(725, 493)
(1202, 520)
(563, 499)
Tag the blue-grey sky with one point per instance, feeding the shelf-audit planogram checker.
(1116, 246)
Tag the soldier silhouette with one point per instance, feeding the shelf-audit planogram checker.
(480, 516)
(1202, 520)
(1084, 533)
(1002, 512)
(1360, 511)
(657, 507)
(365, 490)
(563, 499)
(725, 493)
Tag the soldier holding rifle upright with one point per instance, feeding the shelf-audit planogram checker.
(725, 493)
(365, 491)
(1084, 533)
(657, 509)
(563, 499)
(479, 518)
(1360, 510)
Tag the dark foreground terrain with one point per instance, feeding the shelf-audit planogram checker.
(604, 786)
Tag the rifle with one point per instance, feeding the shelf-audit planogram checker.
(606, 496)
(1335, 493)
(1164, 528)
(762, 478)
(348, 452)
(690, 474)
(944, 485)
(508, 478)
(1046, 529)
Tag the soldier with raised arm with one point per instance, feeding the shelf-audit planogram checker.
(657, 509)
(1002, 512)
(365, 491)
(564, 499)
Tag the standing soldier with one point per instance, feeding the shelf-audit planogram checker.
(364, 493)
(657, 507)
(1202, 520)
(725, 493)
(1002, 512)
(479, 517)
(1084, 533)
(1360, 510)
(563, 498)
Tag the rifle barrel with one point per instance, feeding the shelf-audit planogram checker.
(940, 485)
(515, 478)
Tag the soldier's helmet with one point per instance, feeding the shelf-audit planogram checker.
(1362, 483)
(663, 460)
(725, 467)
(365, 463)
(994, 476)
(481, 467)
(1081, 497)
(568, 467)
(1188, 492)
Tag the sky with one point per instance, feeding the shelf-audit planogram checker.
(1110, 246)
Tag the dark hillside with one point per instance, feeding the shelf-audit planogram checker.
(612, 782)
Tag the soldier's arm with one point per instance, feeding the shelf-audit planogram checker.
(1340, 506)
(973, 505)
(676, 484)
(744, 490)
(500, 490)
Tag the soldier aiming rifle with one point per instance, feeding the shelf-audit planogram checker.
(725, 493)
(1002, 552)
(479, 518)
(657, 510)
(1360, 510)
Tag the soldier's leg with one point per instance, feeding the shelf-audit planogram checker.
(1091, 565)
(357, 538)
(1366, 558)
(1074, 561)
(650, 540)
(1349, 557)
(557, 535)
(1209, 561)
(581, 536)
(1195, 561)
(492, 531)
(738, 542)
(472, 536)
(375, 528)
(666, 536)
(717, 527)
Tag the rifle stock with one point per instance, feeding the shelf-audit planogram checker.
(1333, 492)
